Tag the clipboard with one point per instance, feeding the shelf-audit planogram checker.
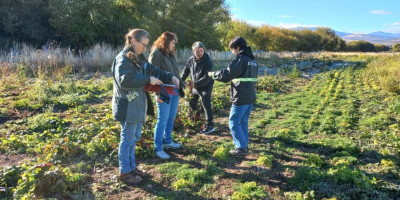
(157, 88)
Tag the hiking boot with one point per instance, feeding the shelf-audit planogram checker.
(137, 172)
(239, 151)
(162, 155)
(172, 145)
(207, 130)
(130, 179)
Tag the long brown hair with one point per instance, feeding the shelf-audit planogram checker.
(138, 34)
(162, 42)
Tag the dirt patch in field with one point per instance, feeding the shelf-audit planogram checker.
(7, 160)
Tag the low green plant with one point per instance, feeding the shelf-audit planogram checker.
(46, 180)
(315, 160)
(221, 153)
(308, 195)
(265, 160)
(178, 171)
(305, 177)
(181, 183)
(9, 176)
(249, 190)
(42, 122)
(344, 173)
(348, 160)
(295, 73)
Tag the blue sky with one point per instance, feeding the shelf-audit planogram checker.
(353, 16)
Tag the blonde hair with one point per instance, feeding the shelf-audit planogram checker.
(138, 34)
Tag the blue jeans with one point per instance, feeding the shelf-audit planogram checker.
(165, 121)
(239, 124)
(130, 134)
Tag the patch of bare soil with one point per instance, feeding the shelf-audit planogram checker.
(275, 178)
(13, 114)
(8, 160)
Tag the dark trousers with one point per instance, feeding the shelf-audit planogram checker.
(205, 96)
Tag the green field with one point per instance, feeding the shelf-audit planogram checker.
(333, 136)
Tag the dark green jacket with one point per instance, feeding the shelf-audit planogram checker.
(131, 77)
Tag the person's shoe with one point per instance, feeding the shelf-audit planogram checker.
(130, 179)
(239, 151)
(207, 130)
(137, 172)
(162, 155)
(172, 145)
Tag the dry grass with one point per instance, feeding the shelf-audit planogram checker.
(385, 71)
(52, 60)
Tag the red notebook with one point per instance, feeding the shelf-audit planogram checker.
(156, 88)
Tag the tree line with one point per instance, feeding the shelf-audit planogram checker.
(83, 23)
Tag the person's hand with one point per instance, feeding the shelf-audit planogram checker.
(210, 74)
(176, 81)
(190, 84)
(159, 100)
(155, 81)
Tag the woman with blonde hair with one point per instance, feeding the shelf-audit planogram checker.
(163, 56)
(130, 103)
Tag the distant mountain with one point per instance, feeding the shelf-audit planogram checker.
(378, 37)
(375, 38)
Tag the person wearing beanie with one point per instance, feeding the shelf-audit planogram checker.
(198, 67)
(242, 74)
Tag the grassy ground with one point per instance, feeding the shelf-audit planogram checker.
(335, 136)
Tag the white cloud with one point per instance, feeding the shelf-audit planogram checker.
(296, 25)
(380, 12)
(393, 27)
(393, 24)
(392, 30)
(256, 23)
(285, 16)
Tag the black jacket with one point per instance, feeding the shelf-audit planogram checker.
(199, 71)
(243, 66)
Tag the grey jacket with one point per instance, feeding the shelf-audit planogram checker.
(166, 63)
(130, 77)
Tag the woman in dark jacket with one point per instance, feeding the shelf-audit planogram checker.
(198, 66)
(163, 56)
(242, 72)
(130, 103)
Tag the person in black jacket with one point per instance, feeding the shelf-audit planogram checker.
(198, 66)
(242, 73)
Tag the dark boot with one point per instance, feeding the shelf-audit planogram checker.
(137, 172)
(130, 179)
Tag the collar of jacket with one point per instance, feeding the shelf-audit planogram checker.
(202, 59)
